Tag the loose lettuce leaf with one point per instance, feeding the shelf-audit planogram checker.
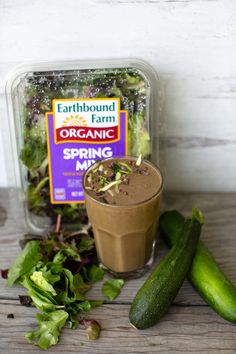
(42, 299)
(84, 306)
(80, 287)
(72, 322)
(42, 302)
(50, 326)
(59, 257)
(24, 262)
(95, 273)
(86, 244)
(111, 288)
(4, 273)
(25, 300)
(72, 288)
(71, 253)
(67, 252)
(92, 329)
(38, 278)
(57, 271)
(52, 271)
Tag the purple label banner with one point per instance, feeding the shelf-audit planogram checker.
(69, 161)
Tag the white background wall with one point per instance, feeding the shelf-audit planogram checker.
(192, 45)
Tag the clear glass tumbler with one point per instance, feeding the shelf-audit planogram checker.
(125, 234)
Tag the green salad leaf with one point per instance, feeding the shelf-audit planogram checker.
(24, 262)
(84, 306)
(42, 299)
(38, 278)
(52, 271)
(57, 270)
(86, 244)
(111, 288)
(95, 273)
(93, 330)
(50, 326)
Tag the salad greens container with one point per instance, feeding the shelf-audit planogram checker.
(64, 117)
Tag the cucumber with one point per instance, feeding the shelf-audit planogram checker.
(159, 290)
(205, 275)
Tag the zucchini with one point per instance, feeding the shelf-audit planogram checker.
(205, 275)
(159, 290)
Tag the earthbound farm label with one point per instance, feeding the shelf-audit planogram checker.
(79, 132)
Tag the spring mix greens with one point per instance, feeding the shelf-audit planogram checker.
(57, 271)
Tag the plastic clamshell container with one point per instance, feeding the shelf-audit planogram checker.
(65, 115)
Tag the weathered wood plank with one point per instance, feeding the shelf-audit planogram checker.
(190, 325)
(218, 234)
(182, 330)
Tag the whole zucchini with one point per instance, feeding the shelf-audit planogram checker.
(156, 295)
(205, 275)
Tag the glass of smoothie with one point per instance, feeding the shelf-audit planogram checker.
(122, 196)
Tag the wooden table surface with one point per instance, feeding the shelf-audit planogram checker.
(190, 325)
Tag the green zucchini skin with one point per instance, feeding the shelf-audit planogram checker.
(205, 275)
(159, 290)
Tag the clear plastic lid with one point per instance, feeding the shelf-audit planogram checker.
(63, 117)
